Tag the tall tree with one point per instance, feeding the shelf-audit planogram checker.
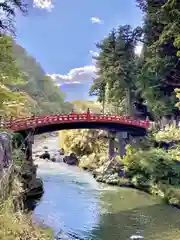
(160, 69)
(117, 66)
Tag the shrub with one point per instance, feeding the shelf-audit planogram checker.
(154, 165)
(175, 152)
(170, 134)
(84, 142)
(14, 223)
(93, 161)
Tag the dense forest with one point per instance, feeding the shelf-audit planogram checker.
(25, 88)
(47, 97)
(125, 79)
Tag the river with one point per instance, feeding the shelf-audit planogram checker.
(84, 209)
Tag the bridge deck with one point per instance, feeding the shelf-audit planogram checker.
(57, 122)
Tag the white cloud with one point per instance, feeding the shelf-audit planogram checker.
(77, 75)
(43, 4)
(93, 53)
(138, 49)
(82, 74)
(96, 20)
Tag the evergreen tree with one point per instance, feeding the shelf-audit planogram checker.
(117, 66)
(160, 69)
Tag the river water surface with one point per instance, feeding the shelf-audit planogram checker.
(84, 209)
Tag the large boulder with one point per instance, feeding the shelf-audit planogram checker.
(53, 159)
(112, 172)
(110, 167)
(71, 159)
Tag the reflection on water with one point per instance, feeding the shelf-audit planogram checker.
(83, 209)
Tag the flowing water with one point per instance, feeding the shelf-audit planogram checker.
(84, 209)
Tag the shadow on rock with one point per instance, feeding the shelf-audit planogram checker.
(71, 159)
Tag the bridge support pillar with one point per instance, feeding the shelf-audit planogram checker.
(29, 140)
(112, 135)
(134, 141)
(122, 137)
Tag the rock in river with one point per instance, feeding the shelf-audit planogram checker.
(71, 159)
(45, 155)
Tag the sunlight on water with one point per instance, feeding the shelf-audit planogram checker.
(84, 209)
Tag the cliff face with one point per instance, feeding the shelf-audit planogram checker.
(32, 185)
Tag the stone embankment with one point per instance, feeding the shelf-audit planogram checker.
(112, 173)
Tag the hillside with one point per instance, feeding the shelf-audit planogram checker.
(44, 96)
(83, 105)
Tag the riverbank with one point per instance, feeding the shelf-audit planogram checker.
(153, 172)
(15, 222)
(18, 183)
(18, 225)
(147, 168)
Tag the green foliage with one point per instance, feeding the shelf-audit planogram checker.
(175, 152)
(89, 145)
(170, 15)
(154, 166)
(9, 72)
(153, 76)
(19, 225)
(168, 135)
(160, 64)
(24, 87)
(46, 98)
(93, 161)
(117, 64)
(8, 12)
(84, 142)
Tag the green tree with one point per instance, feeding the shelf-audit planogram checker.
(44, 95)
(7, 15)
(117, 67)
(9, 72)
(160, 64)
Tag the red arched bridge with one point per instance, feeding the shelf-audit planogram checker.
(49, 123)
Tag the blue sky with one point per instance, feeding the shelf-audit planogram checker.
(63, 38)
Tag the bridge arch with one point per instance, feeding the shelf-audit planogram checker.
(49, 123)
(29, 127)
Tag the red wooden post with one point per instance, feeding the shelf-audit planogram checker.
(72, 114)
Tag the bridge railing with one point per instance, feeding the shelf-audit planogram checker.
(42, 120)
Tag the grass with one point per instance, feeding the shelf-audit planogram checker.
(18, 225)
